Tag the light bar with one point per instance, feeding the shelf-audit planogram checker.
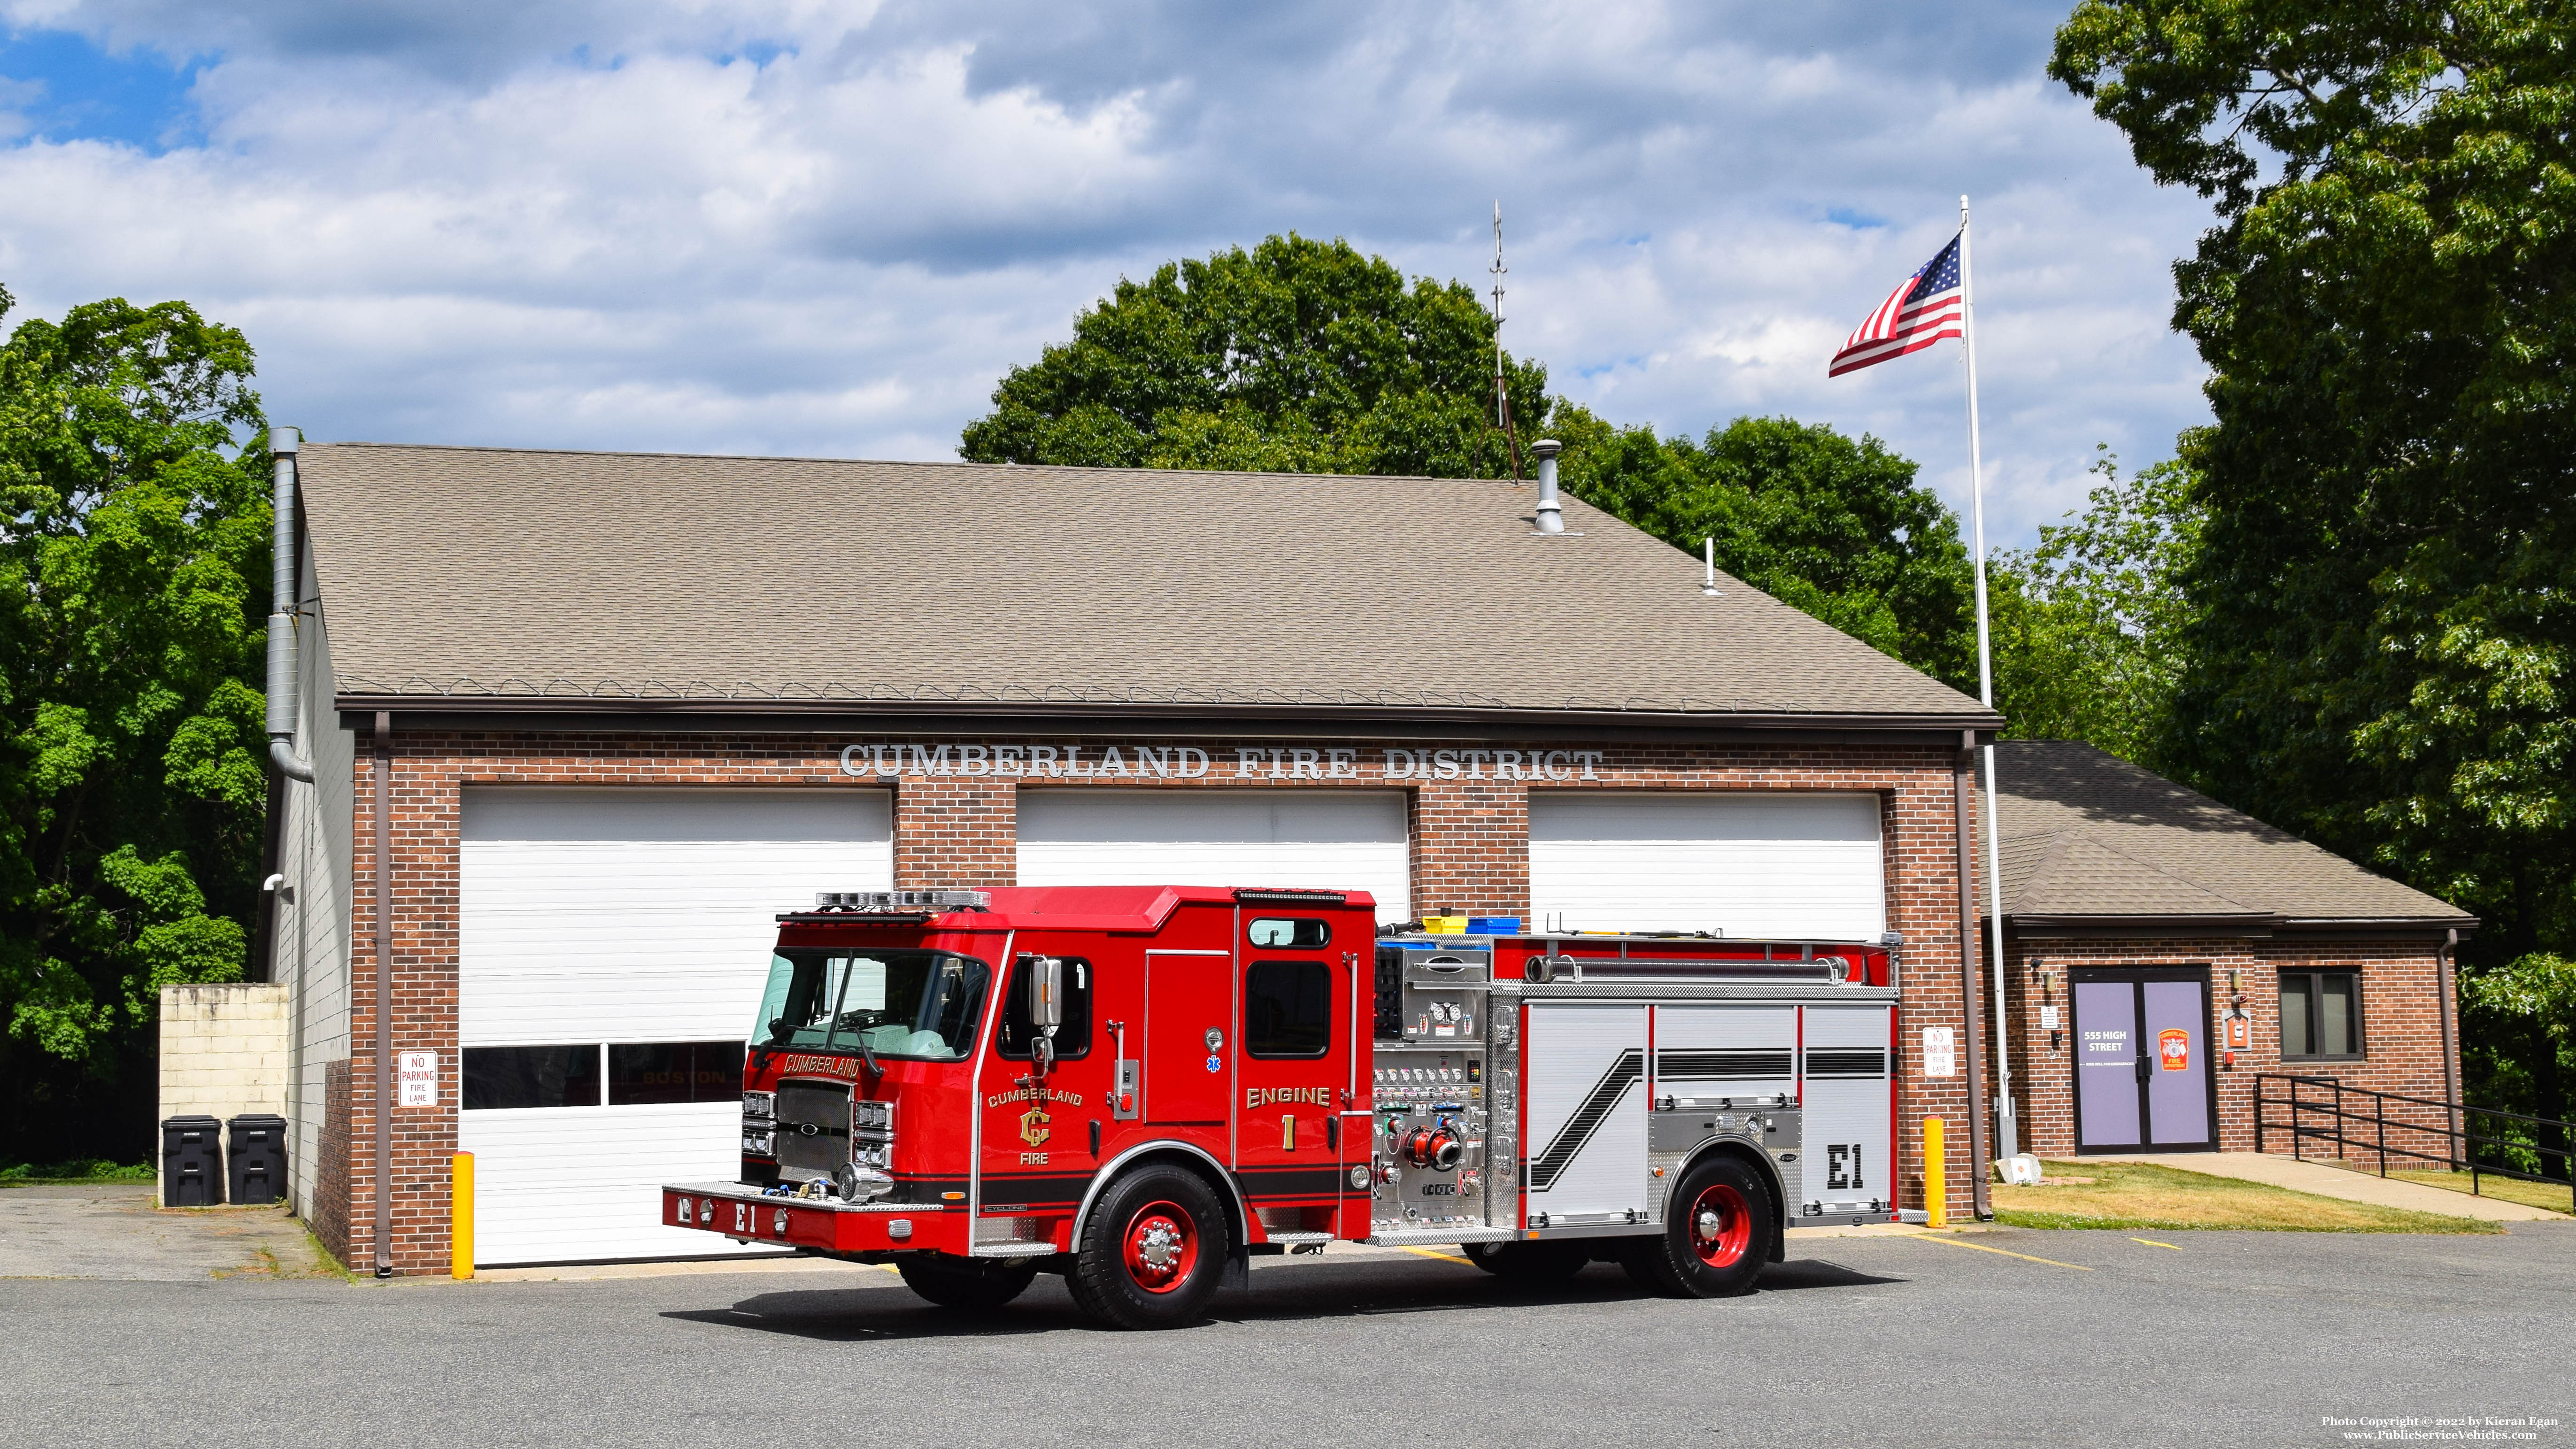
(902, 900)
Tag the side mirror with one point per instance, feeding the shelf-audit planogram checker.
(1046, 994)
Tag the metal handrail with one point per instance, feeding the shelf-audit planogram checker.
(2461, 1144)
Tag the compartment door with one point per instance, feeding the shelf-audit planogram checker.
(1705, 1055)
(1587, 1110)
(1849, 1092)
(1189, 1030)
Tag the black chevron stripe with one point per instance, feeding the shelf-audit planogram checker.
(1722, 1066)
(1587, 1118)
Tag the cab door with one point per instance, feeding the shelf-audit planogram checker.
(1295, 1063)
(1042, 1136)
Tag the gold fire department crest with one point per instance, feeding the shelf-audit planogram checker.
(1034, 1125)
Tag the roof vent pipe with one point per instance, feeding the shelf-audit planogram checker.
(281, 614)
(1551, 518)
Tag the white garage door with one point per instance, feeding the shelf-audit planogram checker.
(1748, 864)
(612, 945)
(1317, 840)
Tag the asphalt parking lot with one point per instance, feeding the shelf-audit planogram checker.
(2222, 1338)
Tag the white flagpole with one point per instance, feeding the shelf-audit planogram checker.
(2007, 1132)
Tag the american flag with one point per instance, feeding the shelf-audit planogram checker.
(1924, 309)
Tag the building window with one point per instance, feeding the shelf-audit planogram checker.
(498, 1078)
(654, 1073)
(1072, 1035)
(2320, 1016)
(1287, 1009)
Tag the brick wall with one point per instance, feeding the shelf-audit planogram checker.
(2401, 1031)
(329, 1215)
(1470, 853)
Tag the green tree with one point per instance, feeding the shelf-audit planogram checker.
(1296, 356)
(2089, 626)
(130, 731)
(2386, 593)
(1305, 356)
(1834, 526)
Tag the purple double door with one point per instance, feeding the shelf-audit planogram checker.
(2142, 1077)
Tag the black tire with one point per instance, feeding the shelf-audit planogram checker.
(1717, 1234)
(1541, 1261)
(1153, 1252)
(967, 1283)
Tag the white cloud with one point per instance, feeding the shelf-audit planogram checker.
(828, 229)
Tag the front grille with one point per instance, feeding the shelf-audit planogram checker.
(813, 1126)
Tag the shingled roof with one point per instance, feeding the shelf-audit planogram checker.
(2089, 837)
(509, 576)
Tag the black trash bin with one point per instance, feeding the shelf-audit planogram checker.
(192, 1162)
(257, 1157)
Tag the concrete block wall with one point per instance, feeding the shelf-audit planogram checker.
(224, 1049)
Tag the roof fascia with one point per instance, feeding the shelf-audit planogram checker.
(2404, 928)
(2088, 928)
(552, 715)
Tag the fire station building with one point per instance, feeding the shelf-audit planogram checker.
(2134, 906)
(582, 724)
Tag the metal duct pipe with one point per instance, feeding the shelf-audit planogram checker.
(283, 585)
(1551, 518)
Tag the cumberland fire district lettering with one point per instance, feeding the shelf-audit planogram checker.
(1190, 762)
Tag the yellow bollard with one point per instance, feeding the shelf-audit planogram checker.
(1936, 1176)
(460, 1209)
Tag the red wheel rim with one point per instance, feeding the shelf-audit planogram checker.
(1721, 1225)
(1161, 1246)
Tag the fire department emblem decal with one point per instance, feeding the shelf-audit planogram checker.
(2173, 1044)
(1035, 1125)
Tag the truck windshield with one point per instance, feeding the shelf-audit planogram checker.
(922, 1005)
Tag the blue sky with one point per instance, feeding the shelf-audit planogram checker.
(794, 226)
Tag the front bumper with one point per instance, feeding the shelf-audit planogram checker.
(746, 1214)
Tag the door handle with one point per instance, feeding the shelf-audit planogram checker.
(1123, 1106)
(1333, 1133)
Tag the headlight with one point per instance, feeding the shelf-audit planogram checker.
(758, 1144)
(872, 1116)
(759, 1105)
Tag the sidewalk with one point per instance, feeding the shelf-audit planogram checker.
(2324, 1181)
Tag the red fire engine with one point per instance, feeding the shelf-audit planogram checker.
(1141, 1087)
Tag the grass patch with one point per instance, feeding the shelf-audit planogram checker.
(83, 1169)
(2551, 1195)
(2139, 1195)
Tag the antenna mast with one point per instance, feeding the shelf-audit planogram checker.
(1502, 397)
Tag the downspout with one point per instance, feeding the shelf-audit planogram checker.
(2448, 985)
(1961, 792)
(282, 609)
(384, 770)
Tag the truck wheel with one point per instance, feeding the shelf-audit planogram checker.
(969, 1283)
(1152, 1253)
(1716, 1239)
(1541, 1261)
